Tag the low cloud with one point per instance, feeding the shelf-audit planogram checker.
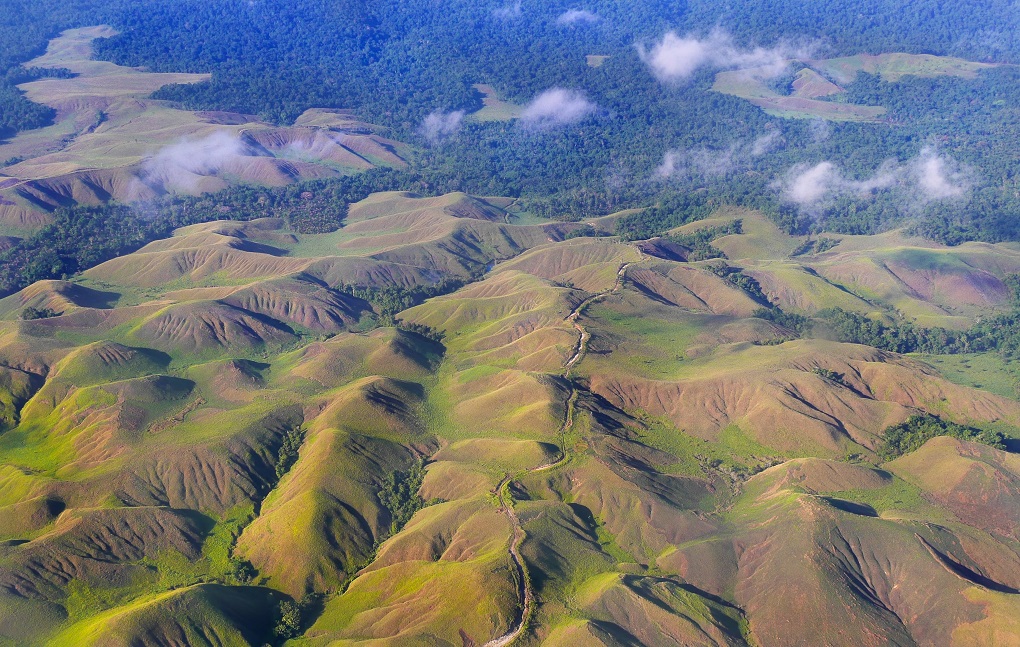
(676, 59)
(576, 16)
(939, 177)
(715, 162)
(766, 143)
(182, 166)
(926, 178)
(697, 161)
(508, 12)
(556, 107)
(441, 125)
(820, 130)
(807, 186)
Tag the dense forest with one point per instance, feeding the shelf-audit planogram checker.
(916, 430)
(1000, 333)
(82, 237)
(395, 64)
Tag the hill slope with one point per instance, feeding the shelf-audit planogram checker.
(434, 426)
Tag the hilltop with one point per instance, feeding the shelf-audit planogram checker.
(242, 416)
(506, 324)
(110, 141)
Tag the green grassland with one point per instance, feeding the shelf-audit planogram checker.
(979, 370)
(803, 103)
(109, 131)
(493, 108)
(224, 451)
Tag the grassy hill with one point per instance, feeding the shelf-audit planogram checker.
(436, 426)
(110, 141)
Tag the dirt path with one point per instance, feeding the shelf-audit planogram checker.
(524, 590)
(521, 574)
(506, 211)
(583, 335)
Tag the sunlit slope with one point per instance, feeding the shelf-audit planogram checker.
(580, 441)
(110, 141)
(814, 93)
(884, 275)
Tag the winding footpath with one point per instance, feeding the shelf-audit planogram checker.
(524, 590)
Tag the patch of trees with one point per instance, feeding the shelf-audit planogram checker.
(736, 277)
(428, 332)
(918, 429)
(388, 301)
(700, 242)
(399, 495)
(587, 231)
(31, 313)
(82, 237)
(288, 621)
(288, 452)
(792, 321)
(18, 113)
(1000, 333)
(831, 375)
(816, 246)
(673, 211)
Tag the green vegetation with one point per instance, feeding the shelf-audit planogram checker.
(898, 495)
(288, 623)
(288, 454)
(736, 277)
(1000, 333)
(700, 240)
(82, 237)
(254, 480)
(673, 212)
(918, 429)
(799, 324)
(832, 376)
(988, 371)
(391, 299)
(818, 245)
(684, 432)
(31, 313)
(587, 231)
(428, 332)
(399, 495)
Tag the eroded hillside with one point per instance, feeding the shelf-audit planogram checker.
(443, 425)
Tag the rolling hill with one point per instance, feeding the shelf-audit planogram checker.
(110, 141)
(437, 426)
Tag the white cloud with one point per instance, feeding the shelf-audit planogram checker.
(820, 130)
(576, 16)
(556, 107)
(939, 177)
(697, 161)
(507, 12)
(181, 166)
(926, 178)
(440, 125)
(808, 186)
(676, 58)
(710, 162)
(766, 143)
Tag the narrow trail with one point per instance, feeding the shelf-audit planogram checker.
(583, 335)
(506, 211)
(524, 590)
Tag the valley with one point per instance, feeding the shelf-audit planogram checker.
(605, 434)
(338, 323)
(111, 142)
